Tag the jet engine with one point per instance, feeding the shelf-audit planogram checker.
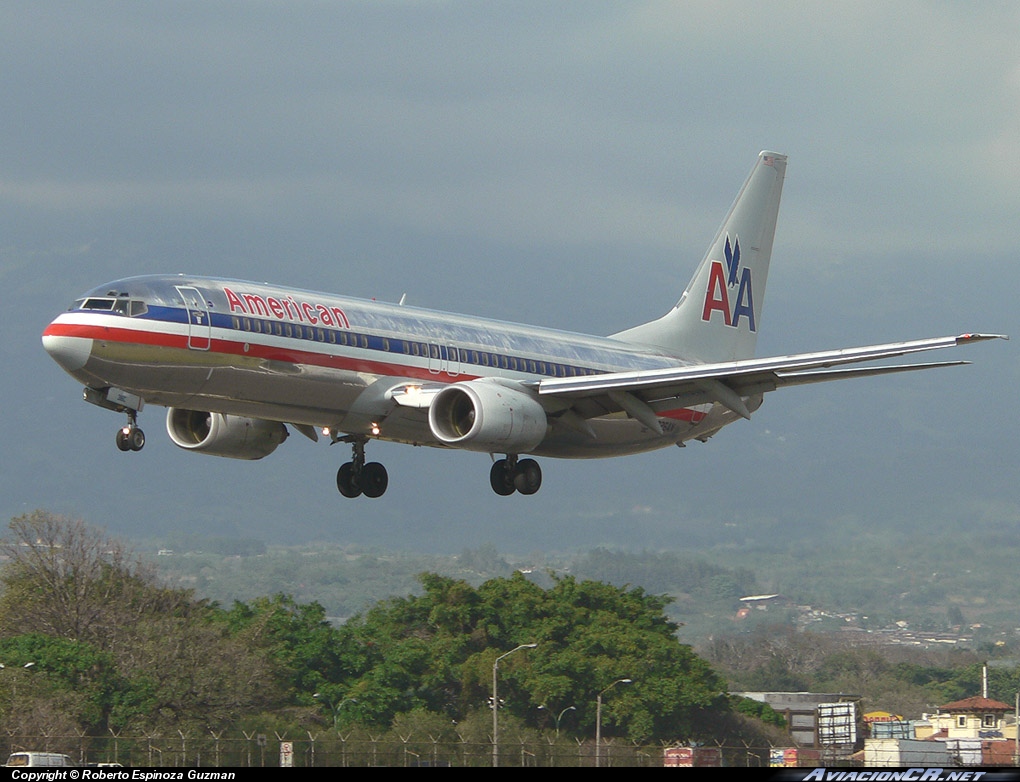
(480, 415)
(224, 435)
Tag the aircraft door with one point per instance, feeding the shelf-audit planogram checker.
(435, 357)
(452, 360)
(199, 326)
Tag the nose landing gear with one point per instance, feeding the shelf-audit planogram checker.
(130, 437)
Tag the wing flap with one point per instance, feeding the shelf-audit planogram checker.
(822, 376)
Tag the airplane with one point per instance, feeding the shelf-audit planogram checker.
(236, 363)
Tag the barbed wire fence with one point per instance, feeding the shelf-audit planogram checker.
(356, 748)
(364, 748)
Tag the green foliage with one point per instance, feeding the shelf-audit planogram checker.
(437, 652)
(758, 710)
(115, 650)
(297, 638)
(42, 666)
(112, 648)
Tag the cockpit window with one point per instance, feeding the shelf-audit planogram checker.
(98, 304)
(131, 307)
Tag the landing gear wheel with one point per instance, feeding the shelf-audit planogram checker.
(374, 479)
(130, 439)
(501, 478)
(136, 440)
(528, 476)
(347, 482)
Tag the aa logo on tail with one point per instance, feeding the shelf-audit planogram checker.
(733, 281)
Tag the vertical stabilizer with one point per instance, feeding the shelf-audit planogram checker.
(718, 315)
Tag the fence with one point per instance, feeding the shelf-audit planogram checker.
(355, 749)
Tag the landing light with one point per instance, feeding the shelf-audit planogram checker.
(375, 430)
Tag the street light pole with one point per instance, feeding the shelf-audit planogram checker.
(598, 720)
(559, 716)
(495, 702)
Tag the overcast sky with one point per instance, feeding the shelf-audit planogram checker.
(564, 164)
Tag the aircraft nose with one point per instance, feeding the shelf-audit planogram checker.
(70, 352)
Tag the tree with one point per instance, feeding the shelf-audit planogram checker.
(69, 580)
(300, 641)
(48, 683)
(437, 651)
(117, 649)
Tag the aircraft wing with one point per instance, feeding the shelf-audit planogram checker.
(643, 393)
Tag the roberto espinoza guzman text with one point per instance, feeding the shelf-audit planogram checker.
(117, 775)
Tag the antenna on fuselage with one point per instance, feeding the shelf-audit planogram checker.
(403, 298)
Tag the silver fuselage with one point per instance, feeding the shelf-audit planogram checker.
(326, 361)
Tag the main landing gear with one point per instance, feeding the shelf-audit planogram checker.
(356, 477)
(509, 475)
(130, 437)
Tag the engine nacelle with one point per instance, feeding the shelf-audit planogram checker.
(481, 415)
(224, 435)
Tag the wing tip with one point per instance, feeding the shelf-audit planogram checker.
(973, 337)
